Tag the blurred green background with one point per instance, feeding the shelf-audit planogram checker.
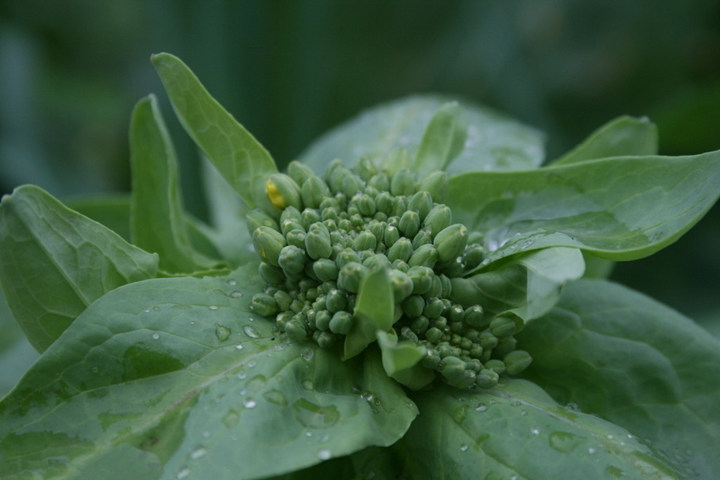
(71, 71)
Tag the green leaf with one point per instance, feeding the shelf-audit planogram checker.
(637, 363)
(443, 139)
(237, 155)
(528, 285)
(113, 211)
(157, 217)
(494, 142)
(517, 431)
(620, 208)
(622, 136)
(55, 262)
(16, 353)
(401, 361)
(179, 374)
(374, 310)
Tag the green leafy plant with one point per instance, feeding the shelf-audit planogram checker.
(416, 297)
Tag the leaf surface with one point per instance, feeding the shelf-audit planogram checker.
(518, 431)
(56, 262)
(493, 142)
(637, 363)
(620, 208)
(443, 139)
(237, 155)
(374, 310)
(180, 376)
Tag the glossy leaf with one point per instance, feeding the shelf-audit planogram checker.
(443, 139)
(637, 363)
(237, 155)
(528, 285)
(518, 431)
(179, 375)
(374, 310)
(493, 141)
(56, 262)
(401, 361)
(620, 137)
(16, 353)
(620, 208)
(157, 217)
(113, 211)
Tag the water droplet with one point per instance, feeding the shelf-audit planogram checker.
(563, 441)
(250, 331)
(236, 294)
(213, 307)
(591, 450)
(481, 408)
(460, 413)
(238, 347)
(523, 412)
(231, 418)
(306, 353)
(232, 283)
(222, 332)
(184, 473)
(315, 416)
(94, 369)
(147, 310)
(573, 406)
(242, 375)
(206, 434)
(155, 336)
(276, 397)
(256, 383)
(463, 448)
(249, 403)
(199, 453)
(535, 431)
(251, 364)
(610, 437)
(324, 454)
(308, 434)
(308, 384)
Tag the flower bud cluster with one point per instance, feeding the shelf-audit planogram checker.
(332, 230)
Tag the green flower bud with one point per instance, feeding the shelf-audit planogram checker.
(420, 325)
(314, 191)
(454, 371)
(365, 168)
(399, 206)
(502, 326)
(437, 219)
(283, 300)
(436, 289)
(365, 205)
(487, 378)
(424, 256)
(351, 185)
(310, 216)
(488, 341)
(422, 278)
(400, 250)
(350, 276)
(296, 330)
(505, 345)
(380, 181)
(431, 359)
(476, 351)
(473, 256)
(271, 275)
(422, 203)
(384, 202)
(341, 322)
(403, 182)
(377, 229)
(455, 313)
(433, 308)
(434, 335)
(497, 365)
(446, 286)
(299, 172)
(256, 218)
(291, 215)
(329, 213)
(400, 265)
(268, 244)
(391, 235)
(325, 270)
(364, 241)
(450, 242)
(402, 285)
(317, 242)
(413, 306)
(409, 223)
(423, 237)
(325, 339)
(296, 237)
(282, 318)
(292, 260)
(335, 177)
(475, 317)
(282, 191)
(373, 262)
(335, 300)
(346, 256)
(436, 184)
(322, 320)
(517, 361)
(263, 304)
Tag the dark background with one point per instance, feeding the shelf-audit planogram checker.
(71, 71)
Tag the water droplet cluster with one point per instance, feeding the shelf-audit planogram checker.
(334, 229)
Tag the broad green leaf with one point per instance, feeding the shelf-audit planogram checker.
(401, 360)
(238, 156)
(634, 362)
(377, 463)
(494, 142)
(113, 211)
(179, 375)
(443, 139)
(16, 353)
(374, 310)
(518, 431)
(157, 217)
(56, 262)
(620, 208)
(528, 285)
(620, 137)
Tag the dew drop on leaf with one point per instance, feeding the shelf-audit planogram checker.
(213, 307)
(236, 294)
(249, 403)
(481, 408)
(232, 283)
(230, 419)
(238, 347)
(463, 448)
(460, 413)
(324, 454)
(241, 375)
(276, 397)
(198, 453)
(308, 384)
(250, 331)
(155, 336)
(256, 383)
(306, 353)
(184, 473)
(563, 441)
(591, 450)
(535, 431)
(222, 332)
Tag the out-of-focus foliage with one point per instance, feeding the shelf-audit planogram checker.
(70, 72)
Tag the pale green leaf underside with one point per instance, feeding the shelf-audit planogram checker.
(635, 362)
(239, 157)
(157, 218)
(56, 262)
(178, 375)
(374, 310)
(517, 431)
(621, 208)
(493, 141)
(621, 137)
